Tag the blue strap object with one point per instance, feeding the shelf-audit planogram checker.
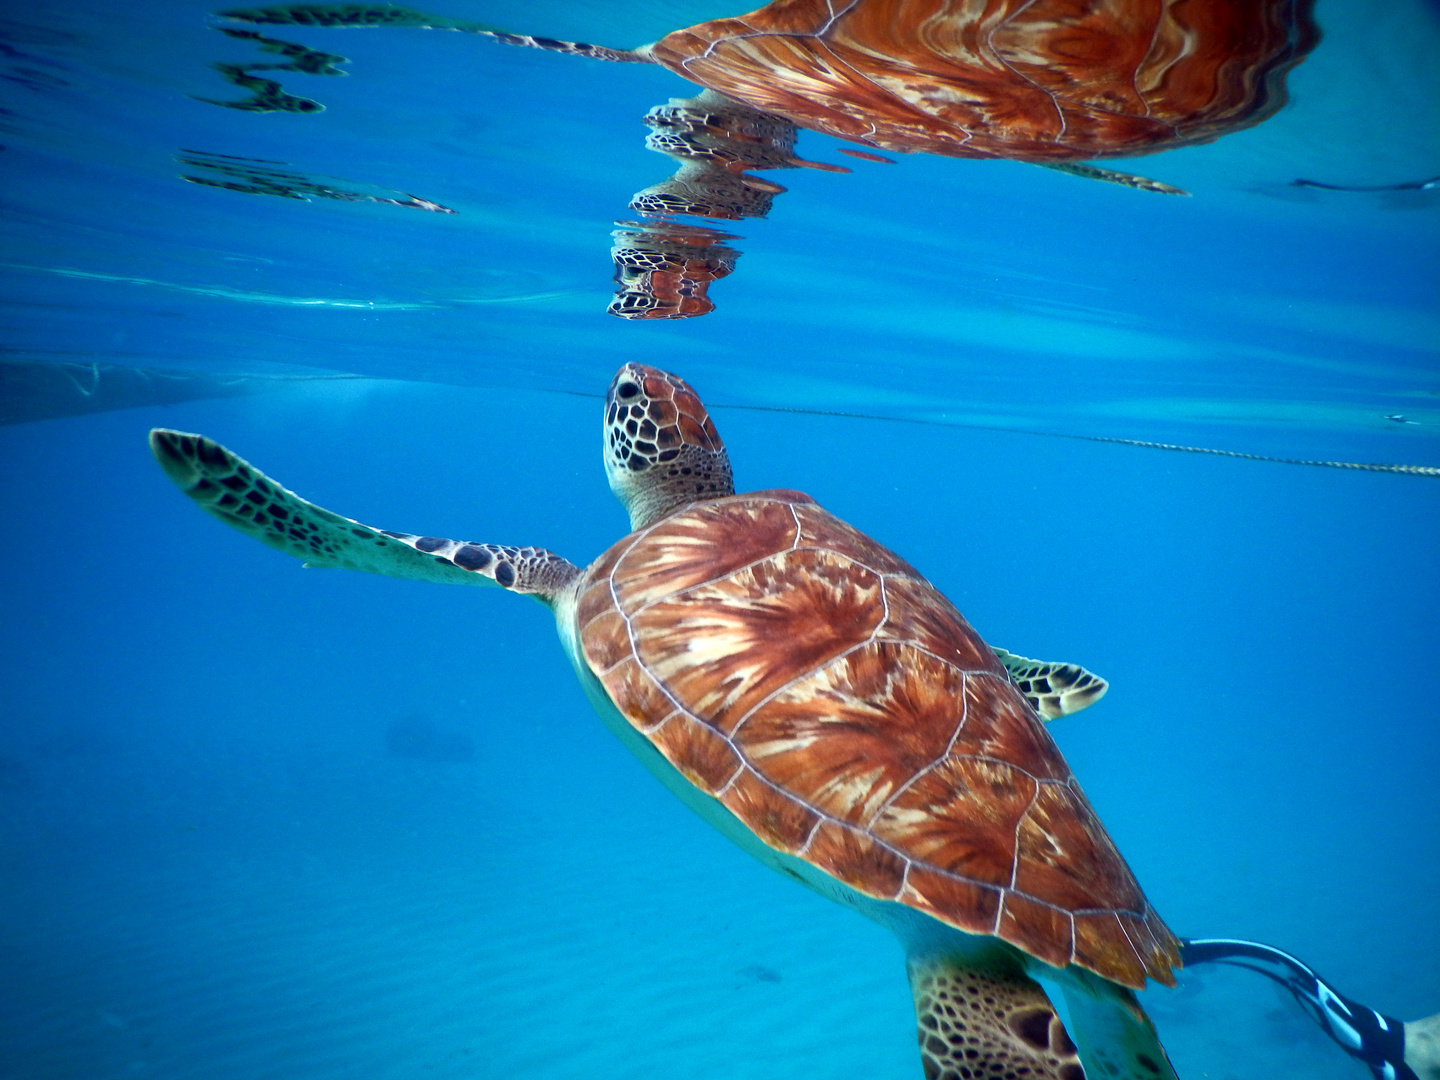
(1366, 1035)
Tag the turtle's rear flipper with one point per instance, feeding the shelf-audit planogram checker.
(1117, 1040)
(989, 1021)
(246, 499)
(1422, 1047)
(1053, 689)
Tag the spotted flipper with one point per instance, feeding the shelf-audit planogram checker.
(246, 499)
(1110, 176)
(1053, 690)
(989, 1023)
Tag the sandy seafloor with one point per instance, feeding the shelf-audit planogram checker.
(220, 857)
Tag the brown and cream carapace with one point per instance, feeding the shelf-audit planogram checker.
(810, 694)
(840, 706)
(1028, 80)
(1055, 82)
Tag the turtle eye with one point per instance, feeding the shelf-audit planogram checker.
(627, 390)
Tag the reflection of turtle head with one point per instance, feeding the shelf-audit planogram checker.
(637, 299)
(663, 270)
(661, 449)
(705, 190)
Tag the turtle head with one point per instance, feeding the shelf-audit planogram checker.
(661, 450)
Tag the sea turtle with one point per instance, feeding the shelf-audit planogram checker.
(1054, 82)
(813, 697)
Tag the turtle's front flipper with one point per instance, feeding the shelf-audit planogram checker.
(989, 1021)
(243, 497)
(1110, 176)
(1053, 690)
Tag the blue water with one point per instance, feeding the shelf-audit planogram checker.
(227, 849)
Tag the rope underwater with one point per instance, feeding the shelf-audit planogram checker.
(1363, 466)
(1408, 470)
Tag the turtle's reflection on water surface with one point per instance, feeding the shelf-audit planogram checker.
(664, 268)
(1057, 85)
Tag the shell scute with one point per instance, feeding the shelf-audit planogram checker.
(595, 597)
(779, 819)
(1158, 949)
(967, 904)
(640, 699)
(854, 857)
(824, 530)
(1006, 729)
(920, 614)
(846, 737)
(724, 646)
(1102, 944)
(606, 640)
(699, 545)
(1064, 856)
(961, 818)
(1082, 52)
(705, 758)
(1040, 929)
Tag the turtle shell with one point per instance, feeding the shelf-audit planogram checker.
(845, 711)
(1029, 80)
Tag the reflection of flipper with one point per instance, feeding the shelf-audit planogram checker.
(1392, 1049)
(266, 95)
(297, 57)
(1414, 185)
(1053, 690)
(258, 176)
(1110, 176)
(395, 15)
